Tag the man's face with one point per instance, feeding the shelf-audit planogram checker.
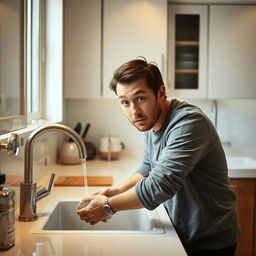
(139, 104)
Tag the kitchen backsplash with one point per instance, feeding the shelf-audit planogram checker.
(236, 120)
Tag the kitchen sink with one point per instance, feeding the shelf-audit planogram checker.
(60, 216)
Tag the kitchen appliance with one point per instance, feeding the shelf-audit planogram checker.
(110, 147)
(69, 151)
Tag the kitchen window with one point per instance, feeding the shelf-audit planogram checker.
(35, 58)
(45, 65)
(36, 53)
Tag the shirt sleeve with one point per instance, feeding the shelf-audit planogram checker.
(186, 145)
(145, 168)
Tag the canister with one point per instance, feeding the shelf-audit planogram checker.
(7, 215)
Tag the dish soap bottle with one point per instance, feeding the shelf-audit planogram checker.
(7, 216)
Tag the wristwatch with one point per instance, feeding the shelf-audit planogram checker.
(107, 209)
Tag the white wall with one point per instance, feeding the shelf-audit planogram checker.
(236, 120)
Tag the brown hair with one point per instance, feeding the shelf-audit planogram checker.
(134, 70)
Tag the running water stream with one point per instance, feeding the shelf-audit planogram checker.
(86, 191)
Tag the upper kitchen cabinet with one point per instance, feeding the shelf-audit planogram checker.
(232, 52)
(82, 49)
(187, 51)
(133, 28)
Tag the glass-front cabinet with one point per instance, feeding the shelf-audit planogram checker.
(187, 48)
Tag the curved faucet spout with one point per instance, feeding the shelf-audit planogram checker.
(28, 164)
(28, 188)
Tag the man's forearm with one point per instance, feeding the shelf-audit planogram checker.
(131, 182)
(125, 201)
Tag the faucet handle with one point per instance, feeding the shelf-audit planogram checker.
(51, 182)
(42, 191)
(12, 146)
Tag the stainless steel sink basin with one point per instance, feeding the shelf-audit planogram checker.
(60, 216)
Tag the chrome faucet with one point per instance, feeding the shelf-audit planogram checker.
(29, 193)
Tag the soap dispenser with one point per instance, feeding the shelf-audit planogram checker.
(7, 215)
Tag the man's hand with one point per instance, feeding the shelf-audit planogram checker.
(108, 192)
(122, 198)
(93, 212)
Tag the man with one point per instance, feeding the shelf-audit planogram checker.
(184, 166)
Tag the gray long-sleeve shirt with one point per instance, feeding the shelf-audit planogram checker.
(185, 168)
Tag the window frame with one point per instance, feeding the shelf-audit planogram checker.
(36, 115)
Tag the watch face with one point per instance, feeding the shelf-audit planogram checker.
(107, 209)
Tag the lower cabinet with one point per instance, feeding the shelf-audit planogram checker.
(246, 206)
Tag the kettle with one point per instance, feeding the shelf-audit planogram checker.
(110, 147)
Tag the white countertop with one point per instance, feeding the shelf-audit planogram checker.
(241, 162)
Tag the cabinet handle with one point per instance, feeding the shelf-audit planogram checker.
(164, 72)
(162, 64)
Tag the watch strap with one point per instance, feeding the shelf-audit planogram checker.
(107, 204)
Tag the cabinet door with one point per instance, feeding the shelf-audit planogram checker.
(187, 51)
(245, 192)
(232, 52)
(133, 28)
(82, 49)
